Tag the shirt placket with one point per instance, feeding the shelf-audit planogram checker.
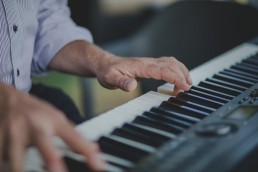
(15, 34)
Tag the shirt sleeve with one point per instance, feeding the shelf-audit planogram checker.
(55, 30)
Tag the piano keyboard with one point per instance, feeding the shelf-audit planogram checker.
(158, 132)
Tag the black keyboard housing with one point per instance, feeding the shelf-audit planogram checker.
(200, 150)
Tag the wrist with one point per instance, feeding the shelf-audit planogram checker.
(97, 59)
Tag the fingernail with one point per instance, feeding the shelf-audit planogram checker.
(128, 85)
(190, 81)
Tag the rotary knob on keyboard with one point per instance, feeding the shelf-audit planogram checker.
(216, 129)
(254, 93)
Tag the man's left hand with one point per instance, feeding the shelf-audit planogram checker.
(123, 73)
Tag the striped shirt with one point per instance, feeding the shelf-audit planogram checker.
(31, 33)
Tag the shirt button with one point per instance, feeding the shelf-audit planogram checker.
(15, 28)
(18, 72)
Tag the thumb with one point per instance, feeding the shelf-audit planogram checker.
(127, 84)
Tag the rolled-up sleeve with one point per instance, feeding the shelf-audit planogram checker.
(55, 30)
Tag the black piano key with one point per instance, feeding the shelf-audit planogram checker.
(117, 162)
(143, 120)
(251, 61)
(191, 104)
(220, 88)
(255, 56)
(227, 84)
(208, 96)
(245, 69)
(155, 130)
(213, 92)
(252, 66)
(240, 76)
(132, 135)
(145, 132)
(184, 110)
(200, 100)
(234, 80)
(175, 115)
(74, 165)
(118, 152)
(243, 73)
(122, 150)
(167, 119)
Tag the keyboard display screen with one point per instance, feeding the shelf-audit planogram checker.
(243, 112)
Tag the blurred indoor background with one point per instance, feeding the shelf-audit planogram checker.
(117, 25)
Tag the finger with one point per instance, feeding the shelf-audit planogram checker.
(164, 69)
(127, 84)
(179, 69)
(186, 73)
(121, 81)
(1, 147)
(16, 145)
(172, 77)
(16, 155)
(176, 69)
(49, 153)
(90, 150)
(176, 91)
(167, 75)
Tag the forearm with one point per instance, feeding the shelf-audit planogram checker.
(80, 58)
(86, 59)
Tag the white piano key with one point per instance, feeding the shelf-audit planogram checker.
(215, 65)
(223, 61)
(118, 160)
(157, 131)
(157, 95)
(195, 110)
(105, 123)
(205, 107)
(33, 161)
(82, 159)
(132, 143)
(186, 117)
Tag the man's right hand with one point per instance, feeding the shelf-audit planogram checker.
(26, 120)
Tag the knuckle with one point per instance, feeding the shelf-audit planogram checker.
(60, 117)
(173, 58)
(173, 61)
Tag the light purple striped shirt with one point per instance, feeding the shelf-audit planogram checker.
(31, 33)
